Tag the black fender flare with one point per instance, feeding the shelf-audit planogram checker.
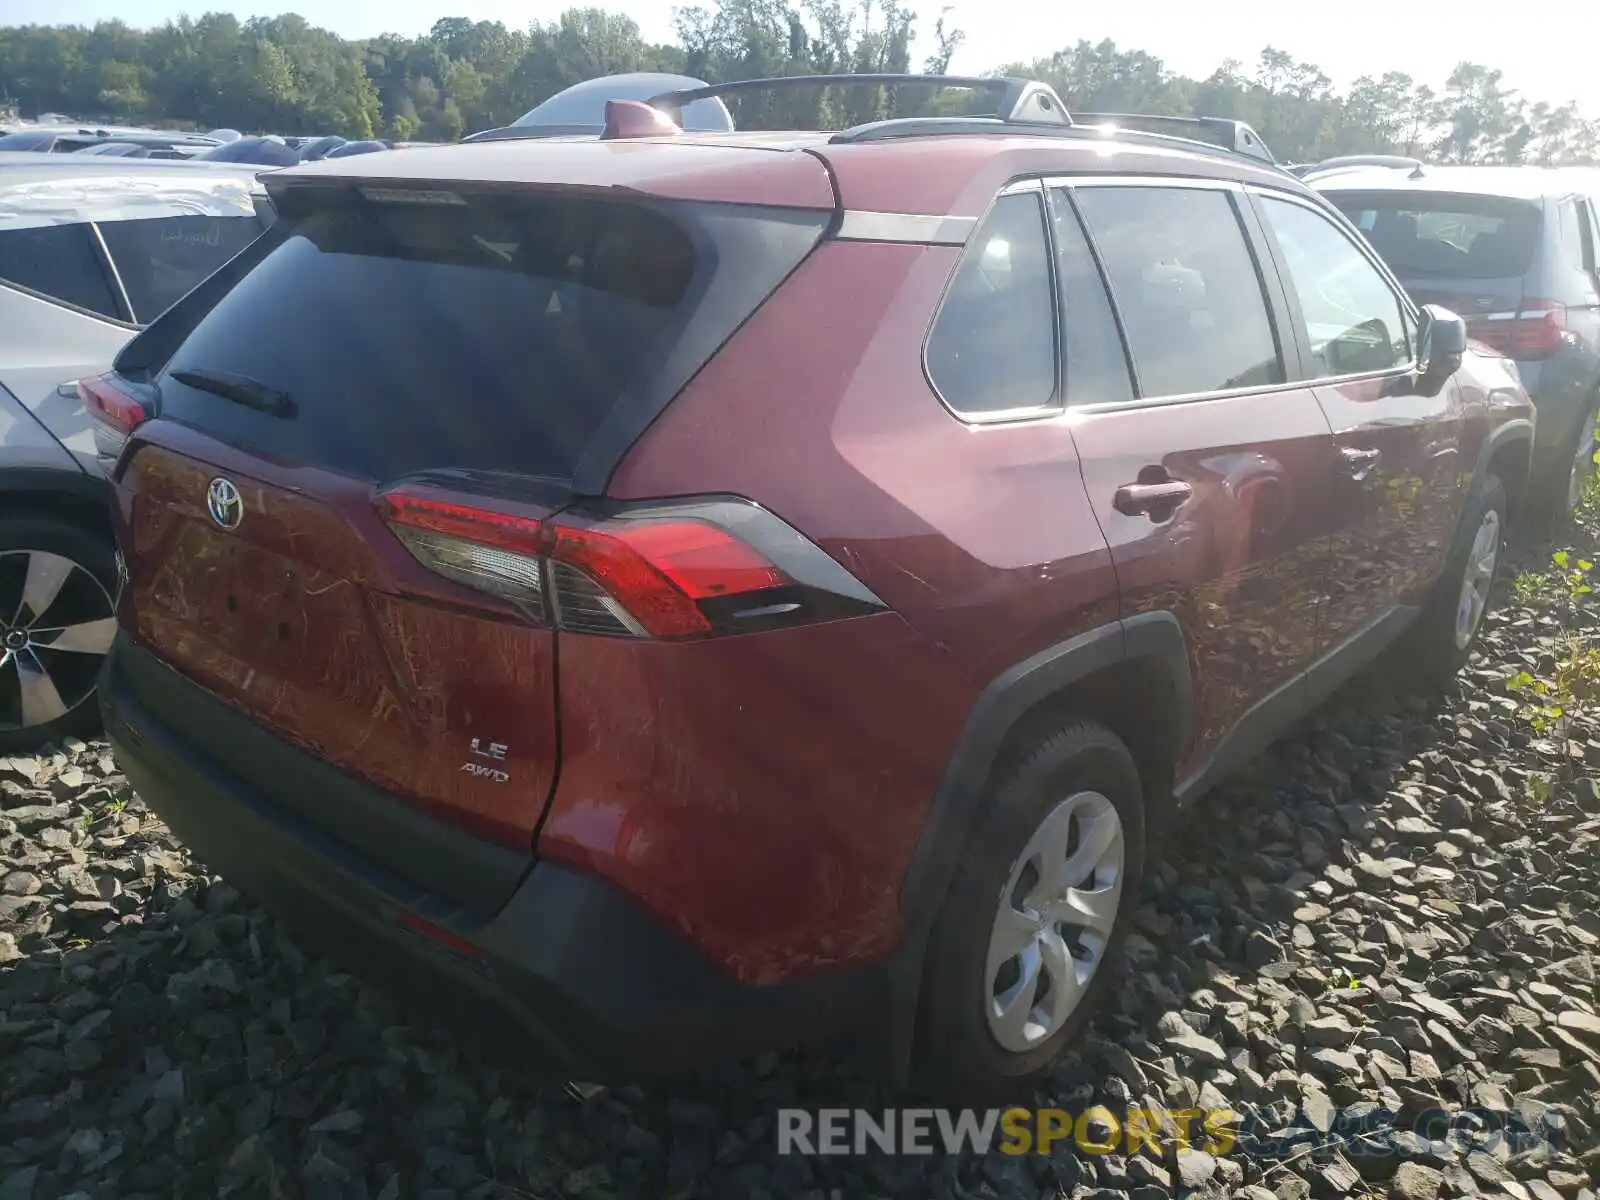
(1153, 636)
(1518, 430)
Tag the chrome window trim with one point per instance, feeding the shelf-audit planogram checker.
(1159, 181)
(1408, 310)
(109, 264)
(1188, 397)
(863, 225)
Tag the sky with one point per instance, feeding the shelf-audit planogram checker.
(1351, 38)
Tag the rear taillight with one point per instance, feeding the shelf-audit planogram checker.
(1534, 331)
(680, 570)
(115, 414)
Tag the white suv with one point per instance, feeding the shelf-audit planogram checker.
(91, 250)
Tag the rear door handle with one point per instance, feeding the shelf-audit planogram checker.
(1158, 501)
(1359, 462)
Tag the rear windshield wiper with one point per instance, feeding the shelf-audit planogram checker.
(241, 389)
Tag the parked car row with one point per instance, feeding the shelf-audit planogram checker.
(220, 145)
(919, 515)
(125, 143)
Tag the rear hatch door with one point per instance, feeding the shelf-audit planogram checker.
(498, 348)
(1467, 252)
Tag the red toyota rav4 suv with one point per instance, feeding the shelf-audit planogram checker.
(699, 591)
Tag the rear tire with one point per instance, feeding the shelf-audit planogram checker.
(1452, 618)
(1025, 943)
(58, 584)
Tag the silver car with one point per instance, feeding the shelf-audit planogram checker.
(91, 249)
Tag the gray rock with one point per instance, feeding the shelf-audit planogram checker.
(1334, 1179)
(17, 1183)
(21, 883)
(1585, 1025)
(1329, 1031)
(1413, 1181)
(1319, 1111)
(1334, 1064)
(1260, 949)
(1142, 1170)
(1195, 1168)
(1193, 1045)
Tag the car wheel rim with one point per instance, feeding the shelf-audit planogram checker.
(1054, 920)
(1478, 578)
(1582, 463)
(56, 625)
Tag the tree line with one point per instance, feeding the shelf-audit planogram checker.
(284, 75)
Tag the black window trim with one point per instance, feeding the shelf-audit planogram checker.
(1290, 348)
(1055, 407)
(1059, 197)
(119, 296)
(1409, 314)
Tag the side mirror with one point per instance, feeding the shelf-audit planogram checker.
(1441, 342)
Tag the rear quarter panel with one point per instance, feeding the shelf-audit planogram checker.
(772, 802)
(24, 442)
(44, 345)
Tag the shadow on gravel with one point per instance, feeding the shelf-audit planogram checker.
(1387, 910)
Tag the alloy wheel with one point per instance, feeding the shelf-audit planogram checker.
(1478, 578)
(1054, 921)
(56, 626)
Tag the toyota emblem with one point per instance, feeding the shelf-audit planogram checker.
(224, 503)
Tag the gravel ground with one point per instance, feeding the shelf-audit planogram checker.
(1393, 910)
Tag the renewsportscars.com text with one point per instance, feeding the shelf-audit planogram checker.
(1253, 1133)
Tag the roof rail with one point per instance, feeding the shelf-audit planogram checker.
(1236, 136)
(904, 127)
(1017, 101)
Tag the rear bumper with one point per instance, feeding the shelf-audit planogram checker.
(590, 979)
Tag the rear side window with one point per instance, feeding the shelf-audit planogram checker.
(1186, 286)
(161, 259)
(492, 333)
(59, 261)
(993, 345)
(1445, 236)
(1353, 319)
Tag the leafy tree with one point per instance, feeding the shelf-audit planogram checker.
(282, 74)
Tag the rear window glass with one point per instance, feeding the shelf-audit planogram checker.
(493, 333)
(1446, 236)
(162, 258)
